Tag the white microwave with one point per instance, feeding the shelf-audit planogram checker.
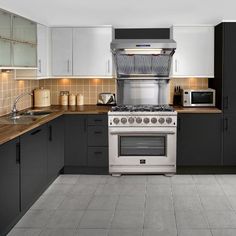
(198, 97)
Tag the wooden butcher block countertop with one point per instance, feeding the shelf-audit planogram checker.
(11, 131)
(203, 110)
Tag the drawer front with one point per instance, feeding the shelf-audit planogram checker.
(97, 120)
(97, 136)
(97, 156)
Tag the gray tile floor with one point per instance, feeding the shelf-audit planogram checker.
(86, 205)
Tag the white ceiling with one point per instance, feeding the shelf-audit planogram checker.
(123, 13)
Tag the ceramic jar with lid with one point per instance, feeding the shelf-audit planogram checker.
(80, 99)
(64, 95)
(72, 100)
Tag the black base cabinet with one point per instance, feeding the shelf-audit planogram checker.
(75, 140)
(199, 140)
(229, 143)
(33, 165)
(55, 149)
(86, 144)
(9, 185)
(27, 166)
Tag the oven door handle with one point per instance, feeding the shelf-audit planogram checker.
(141, 132)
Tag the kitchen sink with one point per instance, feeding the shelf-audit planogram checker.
(26, 117)
(35, 113)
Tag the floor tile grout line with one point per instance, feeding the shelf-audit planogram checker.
(203, 214)
(172, 196)
(145, 204)
(85, 210)
(227, 198)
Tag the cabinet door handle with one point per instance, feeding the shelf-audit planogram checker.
(226, 124)
(176, 65)
(85, 125)
(97, 132)
(108, 66)
(98, 120)
(18, 153)
(97, 153)
(226, 102)
(36, 131)
(50, 133)
(68, 66)
(40, 66)
(178, 124)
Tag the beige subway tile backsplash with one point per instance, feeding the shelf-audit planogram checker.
(90, 88)
(10, 89)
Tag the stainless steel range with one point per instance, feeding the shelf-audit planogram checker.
(142, 139)
(142, 131)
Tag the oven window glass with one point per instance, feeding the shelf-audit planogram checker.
(202, 97)
(142, 146)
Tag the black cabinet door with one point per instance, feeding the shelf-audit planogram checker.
(229, 65)
(97, 136)
(75, 140)
(9, 184)
(98, 120)
(97, 156)
(224, 81)
(55, 147)
(229, 143)
(199, 139)
(33, 165)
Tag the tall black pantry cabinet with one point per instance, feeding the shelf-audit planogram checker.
(225, 85)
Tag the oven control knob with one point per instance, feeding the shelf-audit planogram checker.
(131, 120)
(138, 120)
(123, 120)
(154, 120)
(161, 120)
(146, 120)
(116, 120)
(168, 120)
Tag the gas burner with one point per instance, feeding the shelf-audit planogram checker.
(142, 108)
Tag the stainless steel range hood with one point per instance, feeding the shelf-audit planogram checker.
(143, 58)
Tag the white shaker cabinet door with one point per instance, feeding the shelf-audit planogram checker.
(194, 56)
(61, 51)
(91, 51)
(42, 50)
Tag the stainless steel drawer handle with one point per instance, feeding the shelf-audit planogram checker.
(143, 132)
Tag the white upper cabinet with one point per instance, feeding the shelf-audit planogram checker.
(24, 30)
(91, 51)
(43, 62)
(24, 55)
(61, 51)
(194, 56)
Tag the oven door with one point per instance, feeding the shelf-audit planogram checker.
(142, 146)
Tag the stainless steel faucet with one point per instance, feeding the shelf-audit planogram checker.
(14, 110)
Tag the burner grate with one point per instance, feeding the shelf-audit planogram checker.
(143, 108)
